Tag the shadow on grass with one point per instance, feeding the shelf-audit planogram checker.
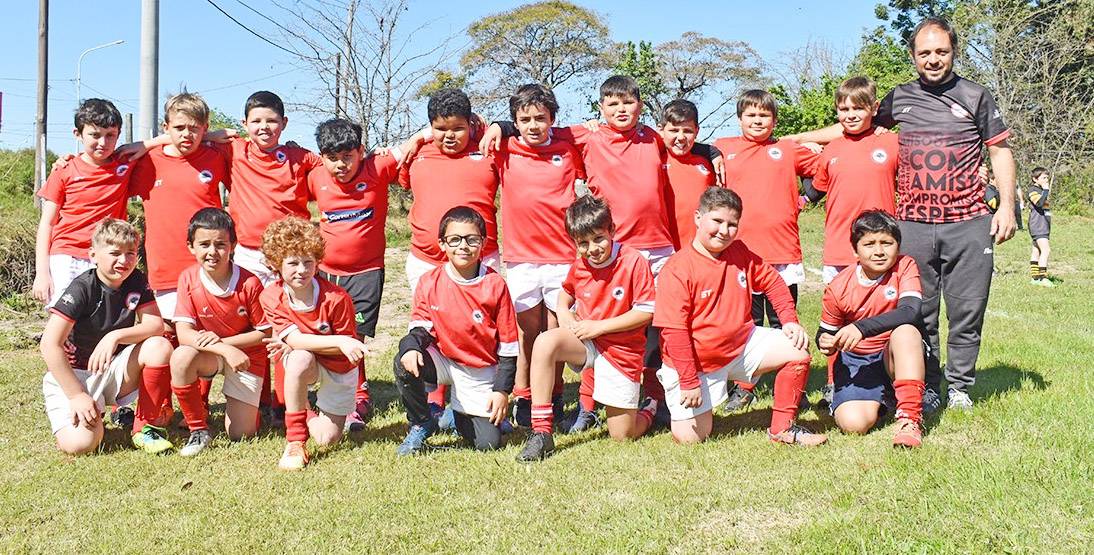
(1001, 379)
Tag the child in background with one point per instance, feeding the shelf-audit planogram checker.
(1040, 225)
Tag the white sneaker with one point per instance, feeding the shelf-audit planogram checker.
(197, 443)
(958, 400)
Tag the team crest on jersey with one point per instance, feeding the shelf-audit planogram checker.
(958, 111)
(702, 169)
(617, 293)
(67, 298)
(242, 311)
(879, 155)
(323, 327)
(556, 160)
(731, 156)
(742, 279)
(361, 186)
(157, 183)
(205, 176)
(132, 299)
(122, 169)
(476, 156)
(477, 316)
(890, 292)
(775, 153)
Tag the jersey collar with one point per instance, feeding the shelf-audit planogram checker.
(302, 307)
(456, 277)
(212, 287)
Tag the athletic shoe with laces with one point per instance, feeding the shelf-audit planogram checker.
(908, 434)
(539, 446)
(932, 401)
(414, 442)
(797, 435)
(581, 420)
(739, 399)
(152, 440)
(122, 417)
(522, 412)
(199, 440)
(355, 420)
(446, 422)
(958, 400)
(294, 458)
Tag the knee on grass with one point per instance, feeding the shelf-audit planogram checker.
(856, 420)
(76, 441)
(323, 431)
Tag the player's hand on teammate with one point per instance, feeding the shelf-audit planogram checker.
(61, 162)
(84, 411)
(813, 147)
(99, 360)
(592, 125)
(691, 398)
(587, 329)
(412, 362)
(796, 333)
(235, 358)
(276, 348)
(491, 140)
(206, 338)
(826, 344)
(497, 406)
(132, 151)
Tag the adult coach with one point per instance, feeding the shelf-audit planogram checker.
(945, 123)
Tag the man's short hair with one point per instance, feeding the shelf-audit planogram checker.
(98, 112)
(291, 236)
(187, 104)
(448, 103)
(463, 215)
(714, 198)
(620, 86)
(757, 98)
(533, 94)
(112, 231)
(586, 216)
(939, 22)
(860, 90)
(216, 219)
(264, 99)
(1039, 171)
(874, 221)
(679, 112)
(337, 135)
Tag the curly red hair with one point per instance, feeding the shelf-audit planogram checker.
(291, 237)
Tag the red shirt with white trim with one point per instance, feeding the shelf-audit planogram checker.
(689, 175)
(226, 312)
(765, 175)
(173, 189)
(537, 186)
(859, 173)
(440, 182)
(473, 321)
(712, 300)
(852, 297)
(266, 186)
(352, 215)
(625, 283)
(85, 194)
(329, 312)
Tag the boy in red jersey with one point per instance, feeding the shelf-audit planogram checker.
(610, 291)
(764, 171)
(314, 320)
(78, 194)
(220, 327)
(97, 353)
(708, 336)
(870, 322)
(688, 173)
(463, 332)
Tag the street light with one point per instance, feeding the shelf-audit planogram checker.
(81, 61)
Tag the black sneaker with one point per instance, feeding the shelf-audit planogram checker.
(123, 417)
(540, 446)
(739, 399)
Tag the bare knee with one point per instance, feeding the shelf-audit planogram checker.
(906, 334)
(856, 422)
(298, 363)
(156, 351)
(182, 361)
(79, 441)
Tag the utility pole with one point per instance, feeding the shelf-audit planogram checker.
(43, 90)
(150, 68)
(128, 127)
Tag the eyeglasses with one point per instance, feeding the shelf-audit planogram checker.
(472, 241)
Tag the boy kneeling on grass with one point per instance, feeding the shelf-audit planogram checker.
(870, 317)
(97, 353)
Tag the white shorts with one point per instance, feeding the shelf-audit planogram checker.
(166, 301)
(792, 274)
(828, 273)
(336, 391)
(64, 268)
(471, 387)
(713, 385)
(531, 283)
(103, 389)
(657, 256)
(253, 261)
(243, 386)
(416, 268)
(610, 387)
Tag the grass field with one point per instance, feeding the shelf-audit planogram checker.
(1014, 475)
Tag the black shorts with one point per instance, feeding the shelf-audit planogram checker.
(862, 378)
(366, 290)
(1040, 224)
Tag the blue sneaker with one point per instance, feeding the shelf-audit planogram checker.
(446, 421)
(932, 401)
(583, 420)
(414, 442)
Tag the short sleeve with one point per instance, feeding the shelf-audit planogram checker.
(805, 161)
(570, 280)
(908, 283)
(673, 308)
(184, 305)
(831, 316)
(884, 115)
(421, 316)
(404, 175)
(822, 178)
(506, 322)
(643, 287)
(54, 189)
(147, 296)
(273, 308)
(252, 293)
(142, 178)
(75, 302)
(989, 120)
(342, 314)
(384, 168)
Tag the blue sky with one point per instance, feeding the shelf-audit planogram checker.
(209, 54)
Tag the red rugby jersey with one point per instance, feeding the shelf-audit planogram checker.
(625, 283)
(173, 189)
(226, 312)
(859, 173)
(266, 186)
(712, 300)
(689, 175)
(330, 312)
(765, 174)
(84, 195)
(537, 185)
(440, 182)
(352, 215)
(473, 321)
(852, 297)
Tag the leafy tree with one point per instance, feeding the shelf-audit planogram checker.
(218, 119)
(904, 15)
(641, 63)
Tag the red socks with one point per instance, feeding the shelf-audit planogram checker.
(522, 392)
(437, 395)
(789, 386)
(543, 418)
(832, 369)
(296, 426)
(909, 399)
(585, 392)
(194, 408)
(153, 393)
(362, 394)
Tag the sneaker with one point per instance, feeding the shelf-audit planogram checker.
(414, 442)
(797, 435)
(580, 421)
(649, 405)
(355, 420)
(826, 396)
(557, 405)
(446, 422)
(908, 434)
(739, 399)
(522, 412)
(1044, 282)
(958, 400)
(294, 458)
(199, 440)
(540, 446)
(932, 401)
(122, 417)
(152, 440)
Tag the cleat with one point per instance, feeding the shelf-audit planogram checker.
(294, 458)
(522, 412)
(740, 399)
(199, 440)
(557, 405)
(959, 400)
(414, 442)
(797, 435)
(826, 397)
(540, 446)
(908, 434)
(582, 420)
(152, 440)
(355, 420)
(122, 417)
(447, 421)
(932, 402)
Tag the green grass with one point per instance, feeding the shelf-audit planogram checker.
(1014, 475)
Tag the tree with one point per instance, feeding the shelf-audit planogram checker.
(641, 63)
(904, 15)
(220, 120)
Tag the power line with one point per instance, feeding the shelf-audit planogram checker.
(241, 83)
(248, 29)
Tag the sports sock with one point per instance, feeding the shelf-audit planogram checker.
(362, 394)
(522, 392)
(652, 386)
(1042, 272)
(543, 418)
(1034, 269)
(645, 416)
(832, 368)
(154, 388)
(585, 392)
(436, 396)
(909, 399)
(745, 385)
(204, 387)
(296, 426)
(789, 386)
(194, 409)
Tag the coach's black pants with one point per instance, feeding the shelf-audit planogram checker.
(762, 307)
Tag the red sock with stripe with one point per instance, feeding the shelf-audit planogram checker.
(154, 390)
(789, 386)
(585, 392)
(296, 426)
(543, 418)
(522, 393)
(909, 399)
(194, 409)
